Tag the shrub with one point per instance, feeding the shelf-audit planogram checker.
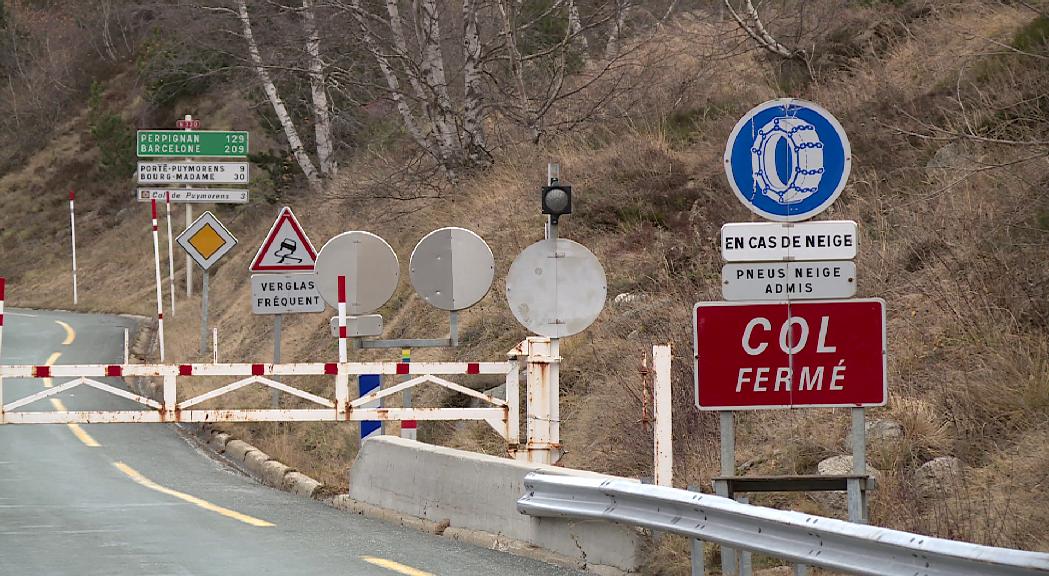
(113, 136)
(170, 73)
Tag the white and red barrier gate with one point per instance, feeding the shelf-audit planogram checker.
(501, 415)
(534, 355)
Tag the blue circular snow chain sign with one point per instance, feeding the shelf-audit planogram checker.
(787, 160)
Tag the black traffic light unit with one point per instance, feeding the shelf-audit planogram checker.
(557, 200)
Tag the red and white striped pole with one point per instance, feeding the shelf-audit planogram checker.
(160, 291)
(72, 239)
(342, 380)
(342, 319)
(171, 254)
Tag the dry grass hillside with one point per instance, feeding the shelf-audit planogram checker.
(954, 234)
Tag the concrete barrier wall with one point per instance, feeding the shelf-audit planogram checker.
(479, 492)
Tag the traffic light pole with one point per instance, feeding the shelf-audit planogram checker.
(553, 175)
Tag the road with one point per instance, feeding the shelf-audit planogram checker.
(141, 499)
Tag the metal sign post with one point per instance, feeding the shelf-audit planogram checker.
(189, 259)
(72, 238)
(204, 315)
(553, 175)
(3, 281)
(274, 393)
(187, 124)
(171, 256)
(409, 428)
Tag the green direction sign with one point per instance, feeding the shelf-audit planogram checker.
(181, 143)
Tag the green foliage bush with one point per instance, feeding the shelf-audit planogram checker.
(113, 136)
(280, 169)
(171, 72)
(1033, 36)
(549, 29)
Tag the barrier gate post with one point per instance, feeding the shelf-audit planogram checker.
(2, 282)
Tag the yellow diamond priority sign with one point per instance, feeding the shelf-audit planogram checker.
(206, 240)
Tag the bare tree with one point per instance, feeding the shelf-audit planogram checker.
(750, 22)
(475, 144)
(286, 122)
(516, 60)
(613, 47)
(318, 93)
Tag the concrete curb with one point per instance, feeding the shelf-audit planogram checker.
(257, 464)
(468, 536)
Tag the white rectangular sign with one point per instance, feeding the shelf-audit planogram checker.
(789, 280)
(192, 172)
(358, 326)
(781, 241)
(194, 195)
(285, 294)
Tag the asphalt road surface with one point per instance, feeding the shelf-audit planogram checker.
(142, 500)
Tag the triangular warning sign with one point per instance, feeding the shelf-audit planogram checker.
(286, 247)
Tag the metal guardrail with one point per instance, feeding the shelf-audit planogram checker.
(797, 537)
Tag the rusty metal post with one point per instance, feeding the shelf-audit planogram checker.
(513, 406)
(540, 437)
(663, 430)
(170, 397)
(553, 391)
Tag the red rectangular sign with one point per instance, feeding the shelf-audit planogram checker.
(790, 355)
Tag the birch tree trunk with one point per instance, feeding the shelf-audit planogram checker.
(297, 149)
(473, 104)
(393, 83)
(434, 77)
(321, 115)
(576, 29)
(506, 7)
(615, 36)
(758, 32)
(444, 148)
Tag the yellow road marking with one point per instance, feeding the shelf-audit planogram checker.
(143, 481)
(83, 436)
(70, 333)
(75, 428)
(395, 566)
(51, 362)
